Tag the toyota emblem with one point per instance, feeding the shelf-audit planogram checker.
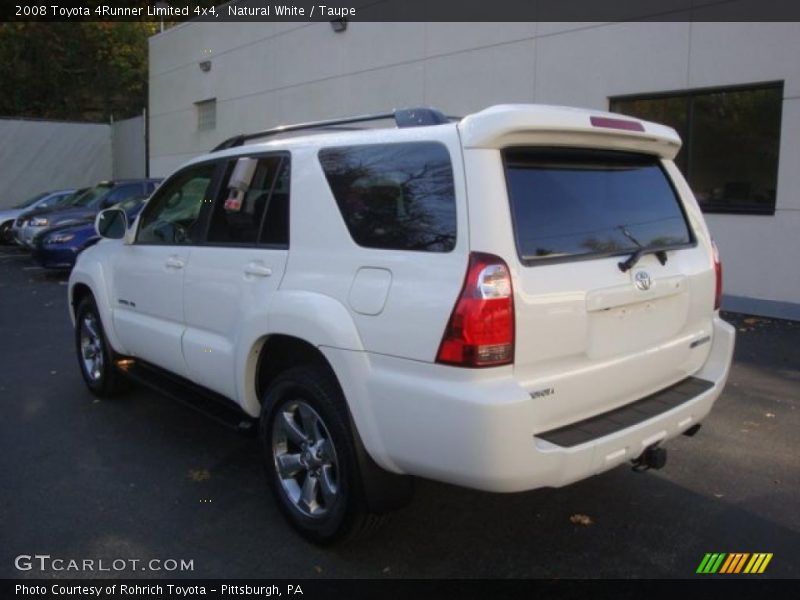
(642, 280)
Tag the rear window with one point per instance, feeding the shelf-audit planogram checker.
(394, 196)
(572, 204)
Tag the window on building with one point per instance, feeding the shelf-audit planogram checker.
(394, 196)
(731, 140)
(206, 114)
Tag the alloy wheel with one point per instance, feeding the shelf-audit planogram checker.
(305, 459)
(91, 347)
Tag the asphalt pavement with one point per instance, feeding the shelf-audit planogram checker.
(142, 478)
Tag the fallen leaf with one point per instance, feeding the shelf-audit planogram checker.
(580, 519)
(754, 321)
(199, 474)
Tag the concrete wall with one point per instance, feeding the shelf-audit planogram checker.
(128, 148)
(265, 74)
(37, 156)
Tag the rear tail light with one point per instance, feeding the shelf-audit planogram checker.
(480, 332)
(718, 274)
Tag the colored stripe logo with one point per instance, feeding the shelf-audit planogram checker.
(734, 563)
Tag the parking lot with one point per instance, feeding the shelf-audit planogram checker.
(143, 477)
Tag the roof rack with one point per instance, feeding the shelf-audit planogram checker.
(405, 117)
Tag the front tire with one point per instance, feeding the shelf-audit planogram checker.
(95, 356)
(310, 457)
(5, 233)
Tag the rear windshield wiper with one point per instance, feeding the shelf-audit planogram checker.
(628, 264)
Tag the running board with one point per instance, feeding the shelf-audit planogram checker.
(213, 405)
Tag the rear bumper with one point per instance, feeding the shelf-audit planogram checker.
(480, 432)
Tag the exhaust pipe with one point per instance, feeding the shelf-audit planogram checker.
(692, 430)
(653, 457)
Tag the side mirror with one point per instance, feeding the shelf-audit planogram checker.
(111, 223)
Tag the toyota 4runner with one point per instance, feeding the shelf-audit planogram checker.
(521, 298)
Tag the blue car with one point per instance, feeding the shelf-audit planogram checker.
(59, 247)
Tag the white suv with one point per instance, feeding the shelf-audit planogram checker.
(521, 298)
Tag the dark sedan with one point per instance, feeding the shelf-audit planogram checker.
(59, 247)
(103, 195)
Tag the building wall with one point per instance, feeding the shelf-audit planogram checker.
(265, 74)
(37, 156)
(128, 145)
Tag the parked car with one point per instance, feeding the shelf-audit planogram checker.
(59, 246)
(22, 221)
(103, 195)
(43, 200)
(521, 299)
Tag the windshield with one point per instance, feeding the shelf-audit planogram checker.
(89, 197)
(70, 199)
(578, 203)
(31, 200)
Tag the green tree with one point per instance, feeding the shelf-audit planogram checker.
(87, 71)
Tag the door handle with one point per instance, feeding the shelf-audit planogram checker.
(174, 262)
(258, 270)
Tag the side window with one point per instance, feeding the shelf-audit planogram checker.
(275, 229)
(394, 196)
(171, 216)
(251, 192)
(52, 201)
(122, 192)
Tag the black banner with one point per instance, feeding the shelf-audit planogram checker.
(354, 589)
(400, 10)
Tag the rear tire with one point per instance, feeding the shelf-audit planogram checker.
(95, 356)
(310, 456)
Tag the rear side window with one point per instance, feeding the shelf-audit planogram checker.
(571, 204)
(122, 192)
(275, 228)
(394, 196)
(255, 206)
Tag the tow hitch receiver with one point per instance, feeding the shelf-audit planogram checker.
(652, 458)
